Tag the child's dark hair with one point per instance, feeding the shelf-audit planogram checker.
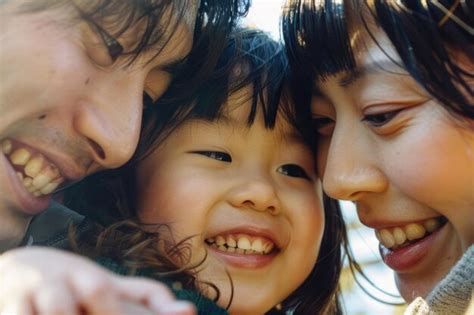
(425, 34)
(250, 58)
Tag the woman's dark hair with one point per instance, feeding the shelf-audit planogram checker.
(427, 35)
(214, 21)
(250, 58)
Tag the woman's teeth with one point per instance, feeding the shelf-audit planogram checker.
(241, 244)
(400, 236)
(38, 176)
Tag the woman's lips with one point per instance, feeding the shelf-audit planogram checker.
(407, 256)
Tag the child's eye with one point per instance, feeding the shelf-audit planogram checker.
(216, 155)
(378, 120)
(323, 125)
(293, 170)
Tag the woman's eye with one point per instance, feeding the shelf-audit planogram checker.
(216, 155)
(323, 125)
(378, 120)
(293, 170)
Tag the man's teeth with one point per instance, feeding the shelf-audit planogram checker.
(241, 244)
(398, 236)
(37, 175)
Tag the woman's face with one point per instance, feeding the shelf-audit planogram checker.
(407, 164)
(247, 196)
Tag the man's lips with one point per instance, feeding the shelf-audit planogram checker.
(39, 174)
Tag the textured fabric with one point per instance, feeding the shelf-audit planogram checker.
(50, 228)
(203, 304)
(453, 295)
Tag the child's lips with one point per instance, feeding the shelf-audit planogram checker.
(243, 258)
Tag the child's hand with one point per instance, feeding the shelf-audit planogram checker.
(38, 280)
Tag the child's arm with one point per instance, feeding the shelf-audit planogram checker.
(38, 280)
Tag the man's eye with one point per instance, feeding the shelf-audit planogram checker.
(323, 125)
(114, 48)
(293, 170)
(216, 155)
(103, 47)
(378, 120)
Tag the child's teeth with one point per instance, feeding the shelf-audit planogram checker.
(431, 225)
(399, 236)
(34, 166)
(414, 231)
(257, 245)
(220, 240)
(20, 176)
(20, 156)
(244, 243)
(6, 146)
(241, 244)
(268, 248)
(231, 242)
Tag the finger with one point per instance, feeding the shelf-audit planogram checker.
(177, 308)
(96, 293)
(19, 305)
(154, 294)
(143, 290)
(55, 299)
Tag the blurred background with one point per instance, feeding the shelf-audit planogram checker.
(265, 15)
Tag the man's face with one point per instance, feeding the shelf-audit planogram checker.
(67, 109)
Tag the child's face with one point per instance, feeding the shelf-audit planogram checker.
(406, 163)
(239, 188)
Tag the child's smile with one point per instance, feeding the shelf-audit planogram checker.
(248, 200)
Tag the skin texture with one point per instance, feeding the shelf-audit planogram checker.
(196, 194)
(393, 150)
(64, 97)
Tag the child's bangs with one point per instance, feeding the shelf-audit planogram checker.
(317, 37)
(251, 61)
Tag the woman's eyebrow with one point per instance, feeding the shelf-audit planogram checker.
(375, 67)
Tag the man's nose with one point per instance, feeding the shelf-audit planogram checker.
(351, 169)
(110, 119)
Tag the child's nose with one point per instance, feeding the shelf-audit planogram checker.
(257, 193)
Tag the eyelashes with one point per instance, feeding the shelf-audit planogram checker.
(216, 155)
(293, 170)
(325, 125)
(290, 170)
(379, 120)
